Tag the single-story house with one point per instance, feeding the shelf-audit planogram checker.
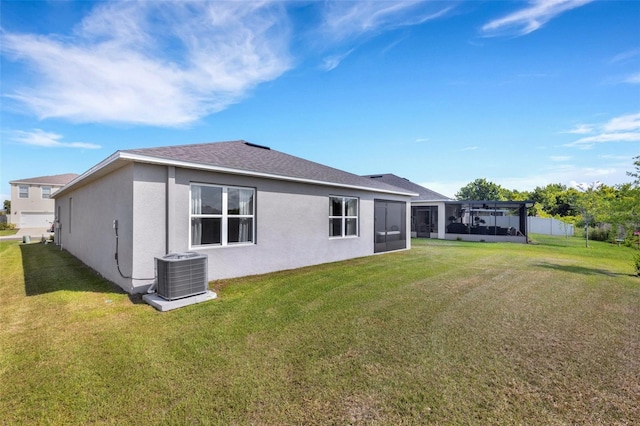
(434, 215)
(32, 205)
(250, 209)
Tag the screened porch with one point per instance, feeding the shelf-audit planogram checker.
(487, 220)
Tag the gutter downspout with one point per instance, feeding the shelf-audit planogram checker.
(170, 195)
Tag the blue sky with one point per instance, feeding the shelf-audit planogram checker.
(521, 93)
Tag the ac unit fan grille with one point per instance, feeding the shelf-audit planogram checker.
(181, 277)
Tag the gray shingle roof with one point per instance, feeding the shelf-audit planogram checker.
(244, 156)
(425, 194)
(59, 180)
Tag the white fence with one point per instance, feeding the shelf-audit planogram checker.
(549, 226)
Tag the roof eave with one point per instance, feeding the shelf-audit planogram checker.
(123, 156)
(527, 203)
(430, 200)
(14, 182)
(111, 160)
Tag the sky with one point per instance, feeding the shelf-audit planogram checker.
(521, 93)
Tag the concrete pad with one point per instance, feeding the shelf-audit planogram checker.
(166, 305)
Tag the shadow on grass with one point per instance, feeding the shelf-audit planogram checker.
(579, 269)
(48, 269)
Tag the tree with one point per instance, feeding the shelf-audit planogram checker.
(515, 195)
(625, 207)
(555, 199)
(636, 174)
(481, 189)
(7, 206)
(591, 205)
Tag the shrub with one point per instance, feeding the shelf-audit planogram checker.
(600, 234)
(636, 263)
(4, 226)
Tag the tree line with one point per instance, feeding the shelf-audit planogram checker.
(611, 211)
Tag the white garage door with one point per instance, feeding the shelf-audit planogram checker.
(35, 220)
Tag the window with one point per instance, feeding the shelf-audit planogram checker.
(23, 191)
(221, 215)
(46, 192)
(343, 217)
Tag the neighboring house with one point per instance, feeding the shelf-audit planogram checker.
(434, 215)
(249, 208)
(31, 202)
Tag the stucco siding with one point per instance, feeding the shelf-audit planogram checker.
(86, 221)
(292, 226)
(149, 223)
(152, 206)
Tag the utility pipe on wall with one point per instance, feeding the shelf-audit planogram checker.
(169, 196)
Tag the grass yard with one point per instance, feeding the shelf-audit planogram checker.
(446, 333)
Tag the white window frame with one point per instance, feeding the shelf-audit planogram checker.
(224, 216)
(344, 217)
(23, 191)
(47, 192)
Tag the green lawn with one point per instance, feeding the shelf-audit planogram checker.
(446, 333)
(8, 232)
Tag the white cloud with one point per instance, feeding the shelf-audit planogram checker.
(171, 63)
(625, 128)
(625, 56)
(590, 141)
(347, 22)
(38, 137)
(531, 18)
(633, 78)
(581, 129)
(586, 186)
(565, 174)
(469, 148)
(624, 158)
(115, 67)
(623, 123)
(331, 62)
(346, 19)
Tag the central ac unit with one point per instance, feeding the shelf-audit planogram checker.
(181, 275)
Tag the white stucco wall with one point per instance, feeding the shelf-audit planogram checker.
(292, 224)
(89, 235)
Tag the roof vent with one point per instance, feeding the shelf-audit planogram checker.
(257, 146)
(375, 177)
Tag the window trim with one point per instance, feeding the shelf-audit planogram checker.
(224, 216)
(344, 217)
(22, 194)
(42, 190)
